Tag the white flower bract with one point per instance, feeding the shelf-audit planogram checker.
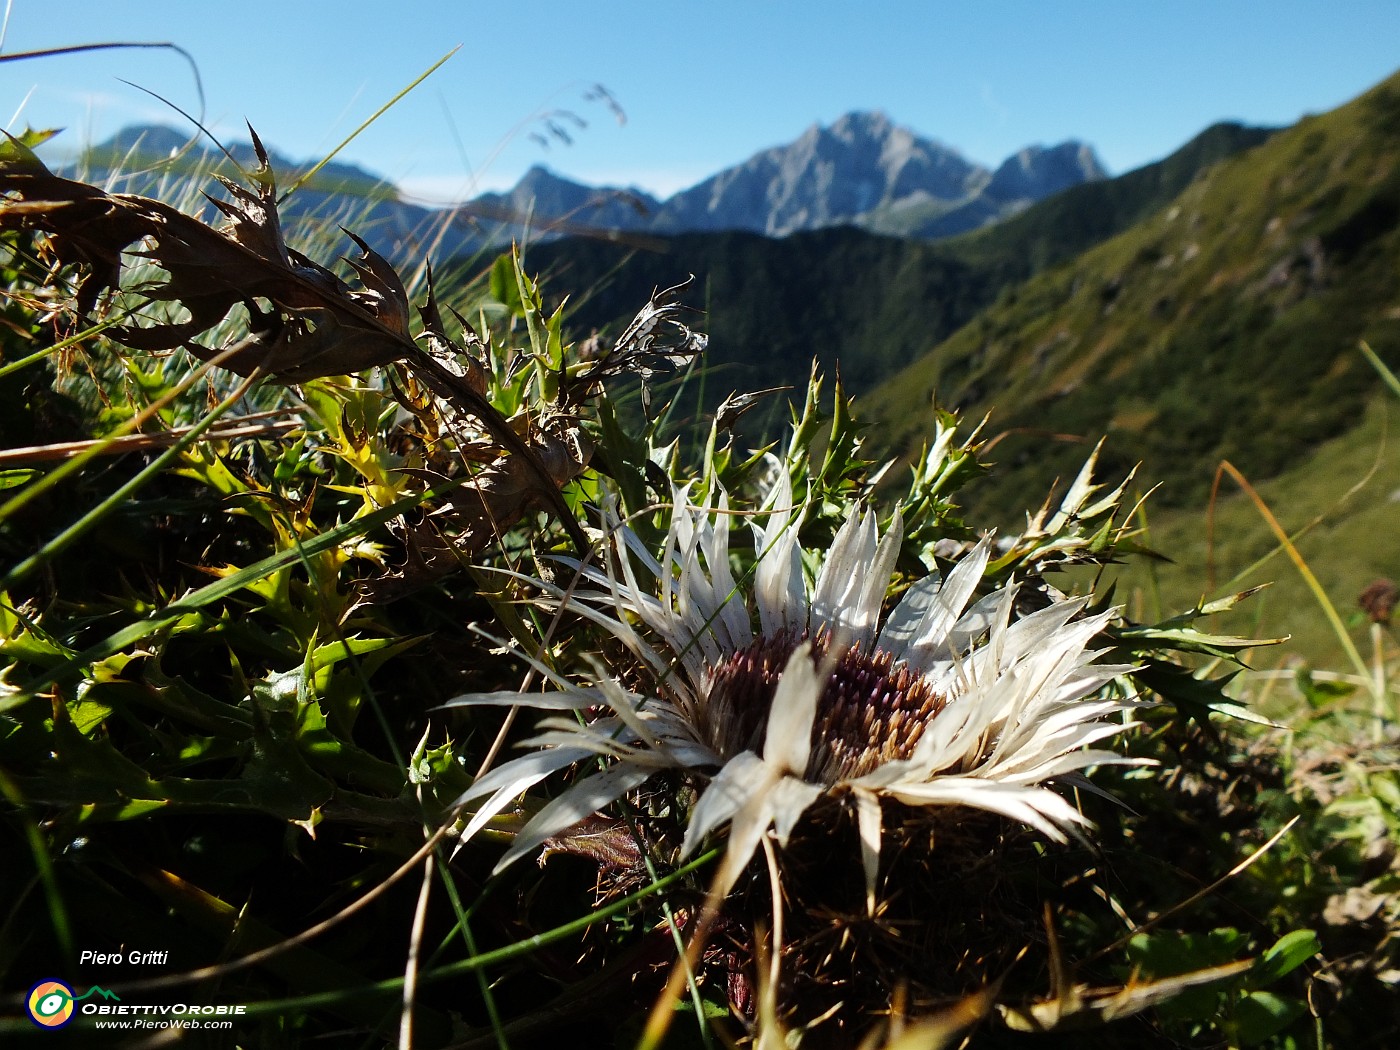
(777, 697)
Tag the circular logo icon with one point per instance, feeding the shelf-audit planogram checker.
(50, 1004)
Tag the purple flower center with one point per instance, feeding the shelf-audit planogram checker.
(870, 712)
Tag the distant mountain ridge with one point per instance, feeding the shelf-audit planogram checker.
(864, 166)
(863, 303)
(862, 170)
(143, 143)
(549, 198)
(1025, 178)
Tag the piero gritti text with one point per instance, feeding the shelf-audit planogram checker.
(135, 957)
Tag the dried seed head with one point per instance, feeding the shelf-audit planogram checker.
(1378, 600)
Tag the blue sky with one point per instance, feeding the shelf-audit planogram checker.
(702, 85)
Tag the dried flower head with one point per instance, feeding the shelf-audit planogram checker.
(1378, 600)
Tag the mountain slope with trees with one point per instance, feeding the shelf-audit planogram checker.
(866, 304)
(1223, 326)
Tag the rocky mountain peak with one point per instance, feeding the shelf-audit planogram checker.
(1038, 171)
(827, 176)
(543, 197)
(863, 124)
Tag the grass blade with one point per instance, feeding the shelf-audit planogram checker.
(308, 175)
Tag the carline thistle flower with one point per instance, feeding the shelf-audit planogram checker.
(948, 702)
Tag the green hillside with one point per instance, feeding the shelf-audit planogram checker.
(1340, 505)
(1068, 223)
(868, 303)
(769, 306)
(1224, 326)
(1204, 308)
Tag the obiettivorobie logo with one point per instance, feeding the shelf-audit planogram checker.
(51, 1003)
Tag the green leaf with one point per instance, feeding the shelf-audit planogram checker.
(1187, 639)
(1166, 953)
(88, 715)
(1320, 693)
(1260, 1015)
(504, 287)
(137, 807)
(17, 153)
(277, 775)
(1193, 697)
(1385, 790)
(623, 457)
(33, 648)
(221, 588)
(554, 340)
(10, 479)
(1287, 953)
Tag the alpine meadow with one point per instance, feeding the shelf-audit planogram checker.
(865, 599)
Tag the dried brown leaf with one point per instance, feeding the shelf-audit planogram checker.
(318, 325)
(314, 324)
